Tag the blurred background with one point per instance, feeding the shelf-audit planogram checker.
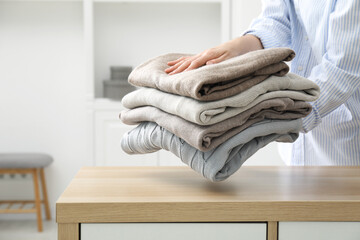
(54, 58)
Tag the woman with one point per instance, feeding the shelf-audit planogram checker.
(326, 38)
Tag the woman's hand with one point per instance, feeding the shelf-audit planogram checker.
(217, 54)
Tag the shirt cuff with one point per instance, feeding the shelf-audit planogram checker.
(312, 120)
(265, 37)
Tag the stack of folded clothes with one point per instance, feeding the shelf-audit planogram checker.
(215, 117)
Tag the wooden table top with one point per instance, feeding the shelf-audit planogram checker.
(178, 194)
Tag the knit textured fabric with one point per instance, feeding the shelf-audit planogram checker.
(206, 113)
(208, 137)
(219, 163)
(216, 81)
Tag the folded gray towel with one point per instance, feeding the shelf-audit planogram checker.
(219, 163)
(217, 81)
(206, 138)
(207, 113)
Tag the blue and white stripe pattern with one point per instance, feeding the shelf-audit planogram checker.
(325, 35)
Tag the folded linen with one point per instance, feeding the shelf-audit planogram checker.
(219, 163)
(213, 82)
(206, 138)
(207, 113)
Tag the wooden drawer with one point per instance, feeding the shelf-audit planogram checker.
(173, 231)
(319, 230)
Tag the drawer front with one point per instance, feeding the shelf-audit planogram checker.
(319, 230)
(173, 231)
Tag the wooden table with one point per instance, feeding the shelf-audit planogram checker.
(266, 195)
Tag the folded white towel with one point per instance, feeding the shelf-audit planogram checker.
(206, 113)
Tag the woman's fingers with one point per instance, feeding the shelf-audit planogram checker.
(217, 60)
(172, 68)
(180, 61)
(196, 63)
(205, 57)
(171, 63)
(181, 68)
(209, 56)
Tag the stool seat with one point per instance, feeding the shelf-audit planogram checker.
(24, 160)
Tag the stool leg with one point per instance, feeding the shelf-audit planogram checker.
(37, 199)
(45, 196)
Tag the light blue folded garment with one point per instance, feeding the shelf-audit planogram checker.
(221, 162)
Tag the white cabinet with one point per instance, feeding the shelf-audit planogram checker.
(108, 131)
(173, 231)
(319, 230)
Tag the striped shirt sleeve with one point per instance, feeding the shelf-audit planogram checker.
(338, 73)
(272, 27)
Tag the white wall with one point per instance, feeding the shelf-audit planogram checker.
(243, 12)
(42, 93)
(131, 33)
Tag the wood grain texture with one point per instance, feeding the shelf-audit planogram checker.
(17, 206)
(178, 194)
(68, 231)
(37, 199)
(16, 170)
(45, 195)
(272, 231)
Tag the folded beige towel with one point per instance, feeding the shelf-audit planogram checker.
(207, 113)
(216, 81)
(206, 138)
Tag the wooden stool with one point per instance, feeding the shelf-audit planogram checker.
(22, 163)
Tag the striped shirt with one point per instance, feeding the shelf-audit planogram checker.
(325, 35)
